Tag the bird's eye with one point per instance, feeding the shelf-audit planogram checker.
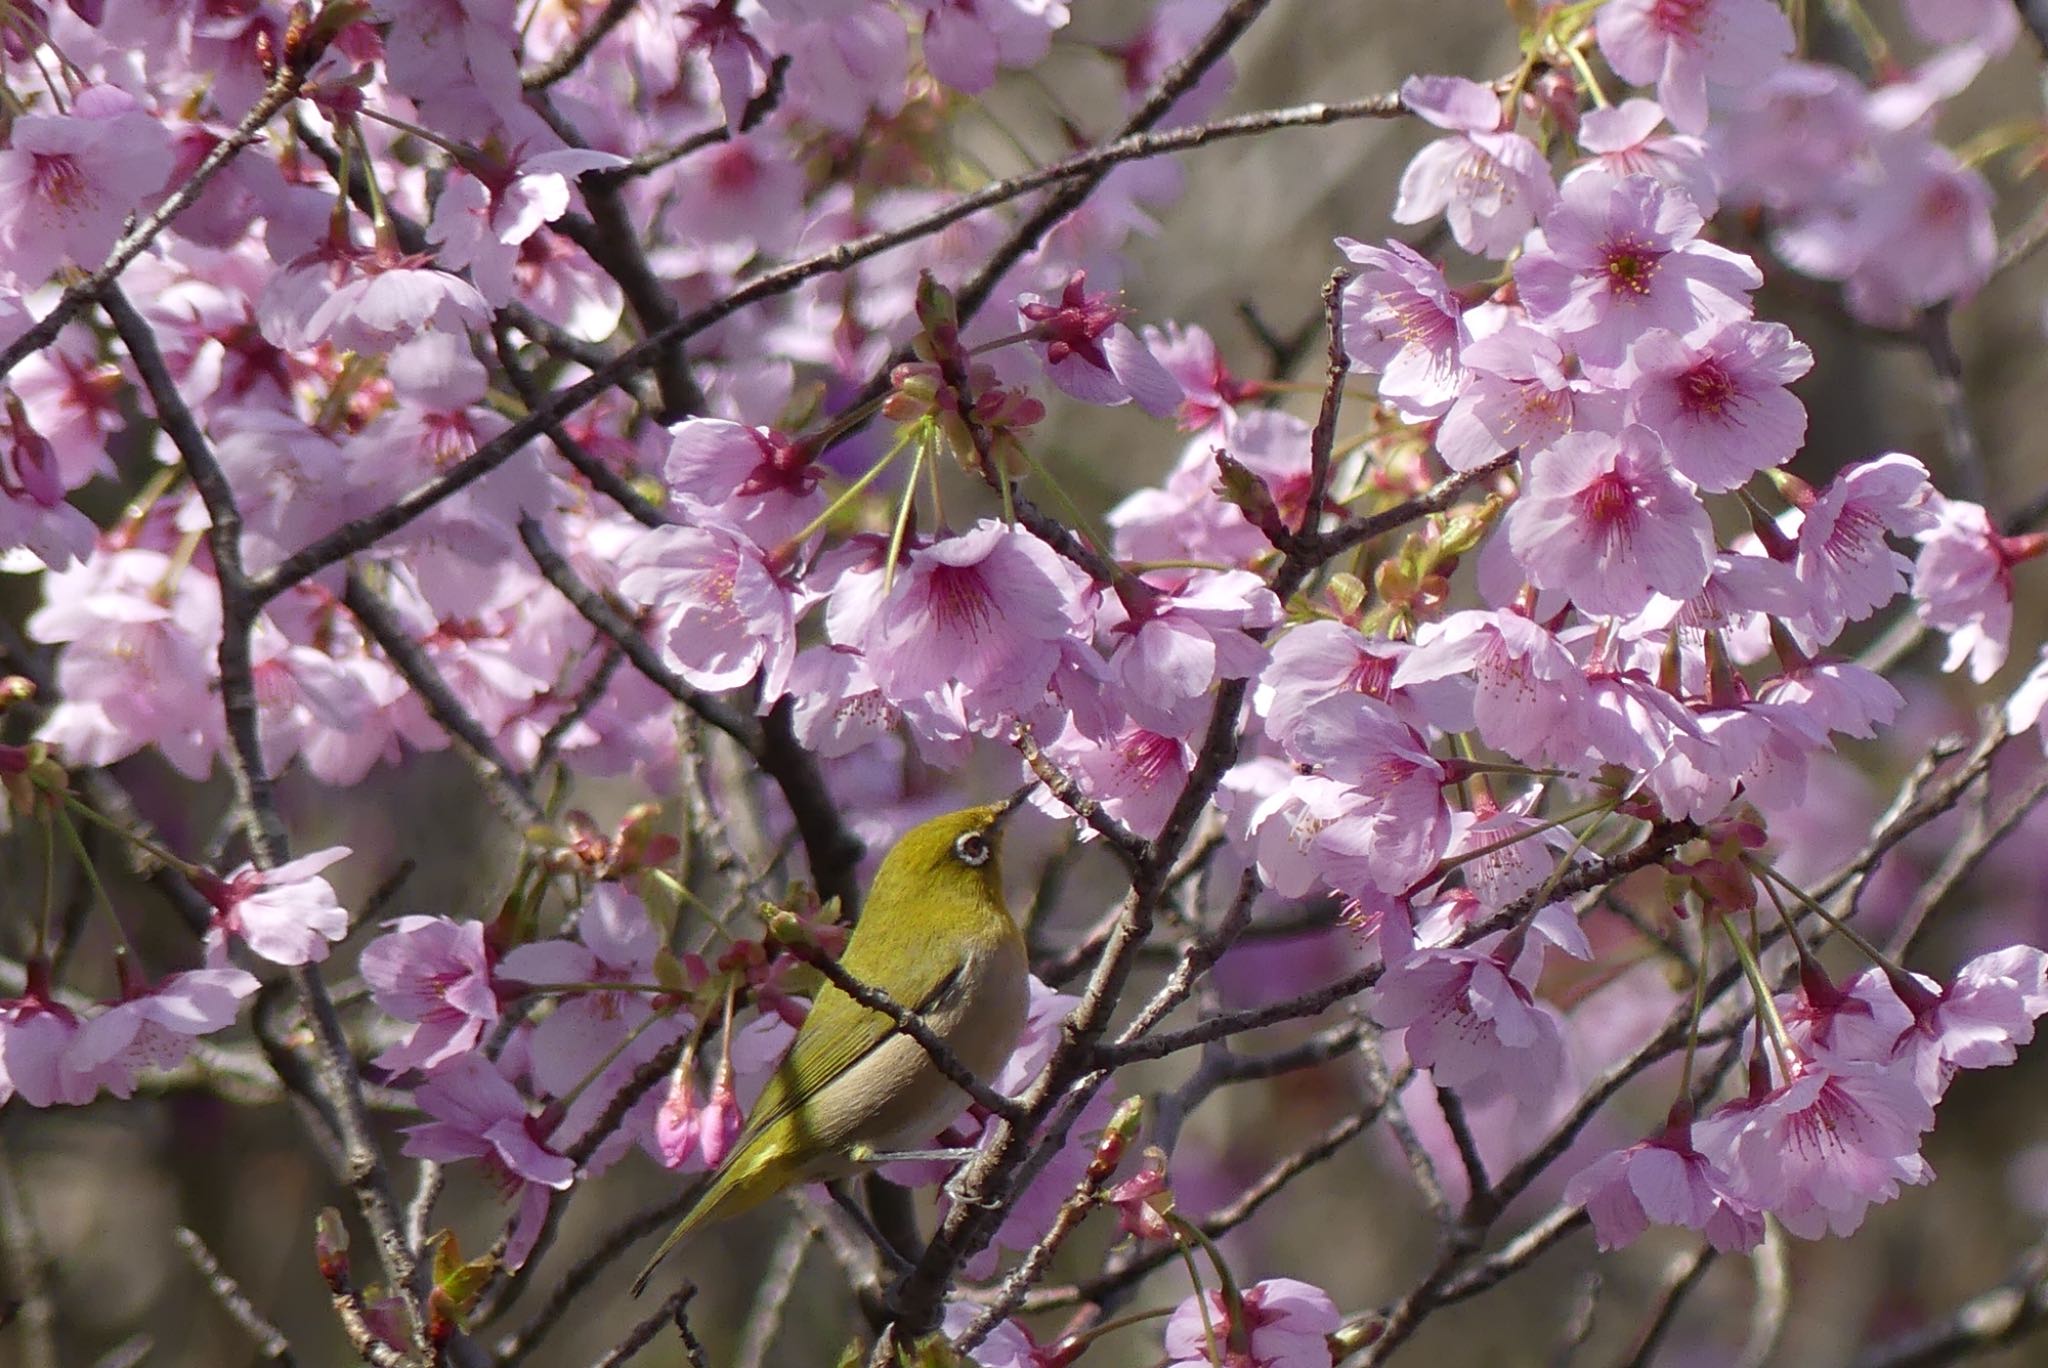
(972, 848)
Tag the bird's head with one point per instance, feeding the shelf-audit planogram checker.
(951, 856)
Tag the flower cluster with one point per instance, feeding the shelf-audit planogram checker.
(470, 402)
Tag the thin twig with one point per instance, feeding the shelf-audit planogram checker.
(1683, 1276)
(778, 1282)
(269, 1340)
(504, 785)
(645, 1329)
(569, 58)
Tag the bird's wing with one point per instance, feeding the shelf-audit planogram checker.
(837, 1035)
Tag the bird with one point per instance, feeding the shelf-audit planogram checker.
(936, 937)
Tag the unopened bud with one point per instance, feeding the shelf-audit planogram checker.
(330, 1249)
(1240, 485)
(1116, 1138)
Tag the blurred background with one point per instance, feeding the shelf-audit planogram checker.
(95, 1194)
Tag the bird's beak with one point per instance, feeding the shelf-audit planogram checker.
(1012, 803)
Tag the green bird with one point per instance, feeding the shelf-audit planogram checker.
(934, 935)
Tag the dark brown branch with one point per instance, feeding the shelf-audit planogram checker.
(336, 1078)
(601, 476)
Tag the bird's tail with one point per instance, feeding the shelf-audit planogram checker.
(745, 1182)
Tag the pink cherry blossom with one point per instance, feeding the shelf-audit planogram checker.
(965, 41)
(1287, 1324)
(1177, 634)
(985, 610)
(1818, 1150)
(1527, 689)
(154, 1026)
(1664, 1181)
(288, 914)
(731, 51)
(1977, 1022)
(1721, 406)
(722, 616)
(846, 67)
(755, 479)
(1622, 140)
(1488, 182)
(1376, 794)
(1009, 1345)
(745, 191)
(139, 659)
(1843, 562)
(480, 221)
(1475, 1027)
(478, 1114)
(1091, 354)
(1686, 45)
(1135, 775)
(1317, 659)
(1518, 398)
(364, 301)
(615, 943)
(33, 512)
(1210, 394)
(1188, 519)
(1171, 30)
(1607, 519)
(1402, 321)
(1962, 584)
(435, 973)
(36, 1035)
(69, 181)
(1616, 259)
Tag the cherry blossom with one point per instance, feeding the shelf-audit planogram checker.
(1617, 259)
(68, 181)
(1475, 1027)
(1962, 584)
(288, 915)
(1092, 355)
(478, 1114)
(1686, 45)
(1286, 1325)
(1664, 1181)
(723, 616)
(154, 1026)
(985, 610)
(1843, 562)
(1401, 321)
(436, 974)
(1622, 140)
(1490, 184)
(1721, 406)
(1606, 518)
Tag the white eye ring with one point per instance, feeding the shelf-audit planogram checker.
(972, 848)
